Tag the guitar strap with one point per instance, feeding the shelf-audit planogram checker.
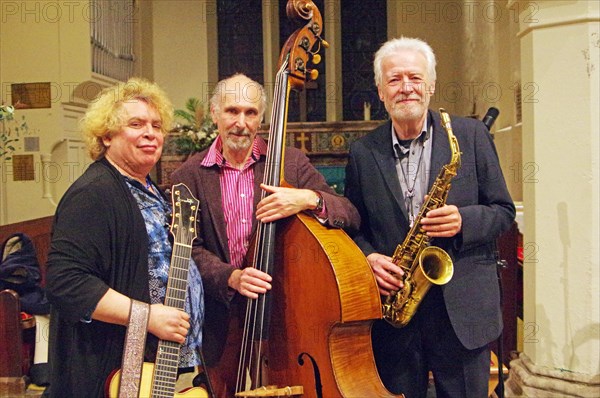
(133, 353)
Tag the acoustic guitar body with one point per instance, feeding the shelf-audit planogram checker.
(112, 386)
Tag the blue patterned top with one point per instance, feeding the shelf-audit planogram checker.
(157, 212)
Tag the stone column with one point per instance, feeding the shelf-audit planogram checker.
(560, 64)
(271, 50)
(332, 15)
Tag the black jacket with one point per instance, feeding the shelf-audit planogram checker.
(479, 191)
(99, 241)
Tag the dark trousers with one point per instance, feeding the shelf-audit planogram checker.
(405, 356)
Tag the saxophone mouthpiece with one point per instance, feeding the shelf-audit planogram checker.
(445, 118)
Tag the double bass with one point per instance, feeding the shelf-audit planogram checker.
(311, 334)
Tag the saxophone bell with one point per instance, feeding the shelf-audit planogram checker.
(436, 265)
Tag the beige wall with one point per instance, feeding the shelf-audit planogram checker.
(41, 42)
(561, 126)
(184, 57)
(478, 64)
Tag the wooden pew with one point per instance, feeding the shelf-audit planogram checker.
(39, 231)
(16, 350)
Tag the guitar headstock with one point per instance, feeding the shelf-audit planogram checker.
(185, 210)
(302, 47)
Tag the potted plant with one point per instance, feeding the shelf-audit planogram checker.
(7, 140)
(11, 130)
(197, 132)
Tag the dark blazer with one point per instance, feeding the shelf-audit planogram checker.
(99, 240)
(211, 251)
(478, 190)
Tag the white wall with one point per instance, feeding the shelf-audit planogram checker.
(41, 42)
(560, 54)
(184, 48)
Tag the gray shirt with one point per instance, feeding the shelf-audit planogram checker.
(413, 164)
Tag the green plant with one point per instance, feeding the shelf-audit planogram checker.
(10, 130)
(197, 131)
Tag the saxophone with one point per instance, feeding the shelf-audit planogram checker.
(423, 264)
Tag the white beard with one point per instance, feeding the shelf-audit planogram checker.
(413, 112)
(239, 143)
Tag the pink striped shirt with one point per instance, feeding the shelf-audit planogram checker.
(237, 192)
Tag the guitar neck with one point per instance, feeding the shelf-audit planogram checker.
(178, 276)
(165, 369)
(167, 355)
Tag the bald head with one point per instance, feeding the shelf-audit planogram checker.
(238, 89)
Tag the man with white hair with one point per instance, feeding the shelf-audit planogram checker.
(389, 173)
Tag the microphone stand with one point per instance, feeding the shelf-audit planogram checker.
(488, 121)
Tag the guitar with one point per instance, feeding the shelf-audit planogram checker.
(158, 379)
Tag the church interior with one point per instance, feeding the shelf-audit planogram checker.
(537, 62)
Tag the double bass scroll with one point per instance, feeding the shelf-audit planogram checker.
(304, 44)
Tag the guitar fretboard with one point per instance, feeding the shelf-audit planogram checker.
(178, 276)
(167, 356)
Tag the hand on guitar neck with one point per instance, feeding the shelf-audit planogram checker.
(168, 323)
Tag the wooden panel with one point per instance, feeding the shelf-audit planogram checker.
(39, 231)
(31, 95)
(23, 168)
(11, 342)
(512, 291)
(325, 143)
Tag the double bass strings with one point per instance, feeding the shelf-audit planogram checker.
(256, 323)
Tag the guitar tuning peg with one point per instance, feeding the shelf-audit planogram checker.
(324, 43)
(314, 74)
(316, 59)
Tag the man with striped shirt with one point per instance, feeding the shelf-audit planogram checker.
(226, 178)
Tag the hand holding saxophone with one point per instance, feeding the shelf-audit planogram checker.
(387, 274)
(443, 222)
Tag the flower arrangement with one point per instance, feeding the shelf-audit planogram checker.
(10, 130)
(198, 130)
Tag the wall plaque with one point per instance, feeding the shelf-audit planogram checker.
(31, 95)
(23, 169)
